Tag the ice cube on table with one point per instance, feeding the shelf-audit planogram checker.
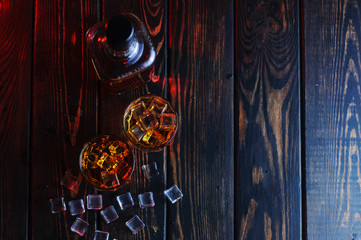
(135, 224)
(173, 194)
(150, 170)
(136, 132)
(157, 106)
(149, 121)
(125, 201)
(167, 121)
(94, 202)
(57, 205)
(70, 182)
(138, 110)
(146, 200)
(100, 235)
(79, 226)
(76, 207)
(109, 214)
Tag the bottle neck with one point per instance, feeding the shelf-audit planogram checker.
(123, 54)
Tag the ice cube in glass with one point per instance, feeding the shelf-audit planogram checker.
(57, 205)
(109, 214)
(125, 201)
(138, 110)
(70, 182)
(94, 202)
(135, 224)
(173, 194)
(79, 226)
(149, 121)
(157, 106)
(136, 132)
(150, 170)
(146, 200)
(76, 207)
(168, 120)
(152, 138)
(100, 235)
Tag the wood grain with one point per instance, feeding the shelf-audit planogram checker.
(268, 193)
(236, 156)
(333, 103)
(15, 71)
(152, 13)
(201, 160)
(64, 110)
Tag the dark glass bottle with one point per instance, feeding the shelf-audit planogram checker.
(122, 52)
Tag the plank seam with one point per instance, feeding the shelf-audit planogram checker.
(30, 128)
(100, 16)
(235, 121)
(165, 89)
(302, 121)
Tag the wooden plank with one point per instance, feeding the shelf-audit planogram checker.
(268, 193)
(15, 70)
(201, 160)
(333, 133)
(64, 110)
(152, 13)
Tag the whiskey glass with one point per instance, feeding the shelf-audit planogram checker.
(106, 162)
(150, 123)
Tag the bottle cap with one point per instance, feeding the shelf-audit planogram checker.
(119, 32)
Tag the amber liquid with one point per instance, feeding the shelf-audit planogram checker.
(106, 162)
(150, 123)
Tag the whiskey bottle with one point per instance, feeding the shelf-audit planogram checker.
(122, 53)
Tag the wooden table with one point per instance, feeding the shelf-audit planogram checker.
(269, 101)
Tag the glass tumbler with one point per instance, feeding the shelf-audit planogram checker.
(150, 123)
(106, 162)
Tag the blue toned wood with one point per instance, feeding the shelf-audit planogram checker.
(268, 180)
(333, 110)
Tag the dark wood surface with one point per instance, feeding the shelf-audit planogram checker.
(268, 192)
(15, 85)
(268, 97)
(64, 108)
(200, 161)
